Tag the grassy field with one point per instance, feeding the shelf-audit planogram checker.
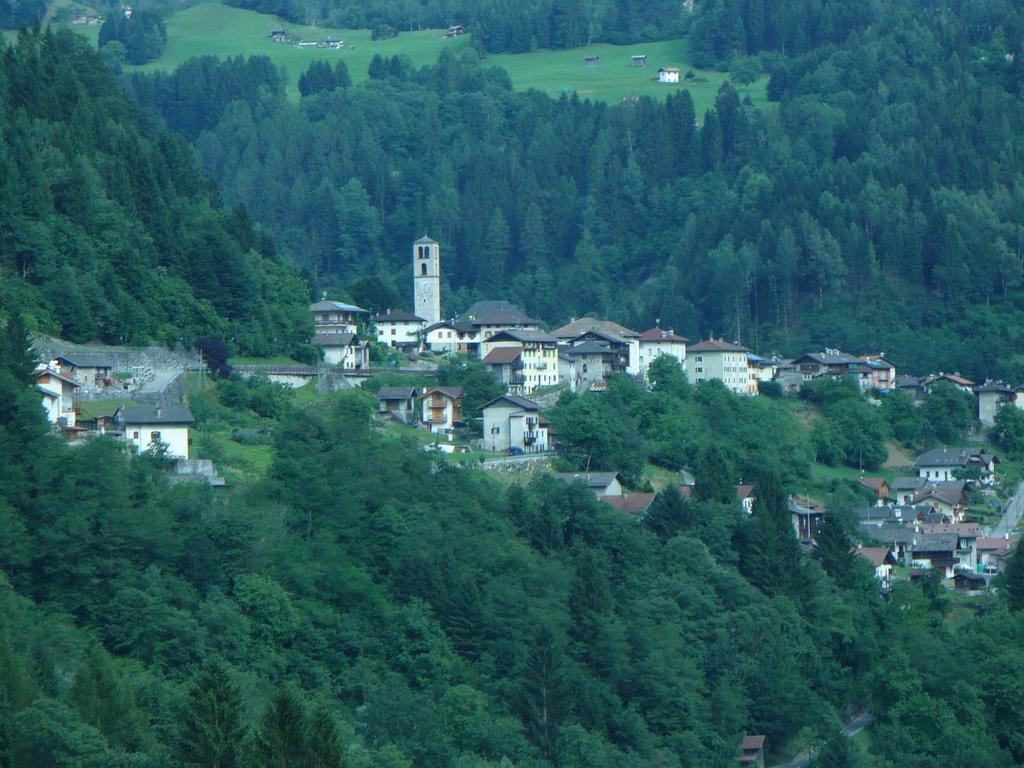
(212, 28)
(217, 29)
(614, 79)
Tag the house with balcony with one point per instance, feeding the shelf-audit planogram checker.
(807, 515)
(537, 363)
(60, 396)
(625, 342)
(90, 369)
(344, 350)
(336, 317)
(490, 317)
(506, 363)
(831, 362)
(440, 408)
(875, 372)
(398, 328)
(514, 424)
(882, 560)
(397, 404)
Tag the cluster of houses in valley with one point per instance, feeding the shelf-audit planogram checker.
(140, 426)
(160, 427)
(917, 521)
(582, 354)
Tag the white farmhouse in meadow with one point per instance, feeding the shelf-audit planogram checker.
(58, 392)
(513, 423)
(398, 328)
(656, 342)
(145, 426)
(668, 75)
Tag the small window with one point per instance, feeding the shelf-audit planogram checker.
(423, 269)
(154, 437)
(135, 435)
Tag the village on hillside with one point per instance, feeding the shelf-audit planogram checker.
(918, 523)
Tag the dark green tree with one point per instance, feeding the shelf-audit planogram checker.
(714, 478)
(281, 738)
(1013, 580)
(323, 743)
(16, 350)
(211, 729)
(544, 692)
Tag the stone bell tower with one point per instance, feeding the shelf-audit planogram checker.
(426, 279)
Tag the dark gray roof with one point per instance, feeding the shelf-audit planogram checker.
(948, 457)
(907, 483)
(397, 316)
(506, 317)
(887, 534)
(396, 393)
(152, 414)
(482, 308)
(525, 336)
(521, 402)
(592, 348)
(334, 306)
(592, 479)
(908, 382)
(935, 542)
(830, 358)
(86, 360)
(334, 339)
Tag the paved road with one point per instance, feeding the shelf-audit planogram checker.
(851, 728)
(1011, 516)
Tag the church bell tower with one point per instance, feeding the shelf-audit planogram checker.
(426, 279)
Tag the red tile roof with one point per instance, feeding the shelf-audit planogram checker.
(875, 555)
(717, 345)
(631, 503)
(502, 355)
(657, 334)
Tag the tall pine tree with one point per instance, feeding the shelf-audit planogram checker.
(211, 729)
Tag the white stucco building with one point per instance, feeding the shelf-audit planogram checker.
(717, 359)
(398, 328)
(668, 75)
(657, 342)
(144, 427)
(58, 392)
(513, 423)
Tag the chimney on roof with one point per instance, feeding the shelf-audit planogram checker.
(158, 409)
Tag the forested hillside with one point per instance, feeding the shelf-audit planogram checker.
(878, 205)
(426, 615)
(108, 229)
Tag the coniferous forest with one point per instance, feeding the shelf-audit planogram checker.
(875, 203)
(356, 601)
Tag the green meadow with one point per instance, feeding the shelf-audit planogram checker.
(212, 28)
(615, 79)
